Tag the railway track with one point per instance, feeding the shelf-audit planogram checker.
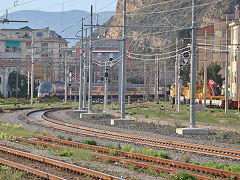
(30, 170)
(142, 161)
(43, 167)
(187, 147)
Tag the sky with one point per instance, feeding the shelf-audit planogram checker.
(57, 5)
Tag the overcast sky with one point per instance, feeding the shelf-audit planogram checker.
(56, 5)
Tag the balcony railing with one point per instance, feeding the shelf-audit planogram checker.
(12, 55)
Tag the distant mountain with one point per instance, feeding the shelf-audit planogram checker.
(57, 21)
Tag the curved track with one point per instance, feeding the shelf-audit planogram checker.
(40, 118)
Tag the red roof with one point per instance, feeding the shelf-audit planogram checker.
(209, 29)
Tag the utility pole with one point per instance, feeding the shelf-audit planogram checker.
(70, 85)
(111, 88)
(205, 73)
(80, 72)
(90, 67)
(85, 72)
(193, 67)
(157, 80)
(226, 69)
(65, 77)
(75, 80)
(179, 85)
(17, 85)
(176, 73)
(123, 79)
(165, 82)
(32, 73)
(28, 87)
(105, 86)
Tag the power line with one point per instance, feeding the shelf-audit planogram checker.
(158, 54)
(170, 10)
(21, 4)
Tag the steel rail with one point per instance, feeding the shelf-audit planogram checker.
(60, 164)
(223, 152)
(230, 153)
(174, 165)
(162, 161)
(30, 170)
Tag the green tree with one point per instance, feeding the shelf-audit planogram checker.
(213, 70)
(22, 85)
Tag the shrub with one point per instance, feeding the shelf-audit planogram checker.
(59, 136)
(110, 146)
(186, 158)
(3, 136)
(184, 176)
(44, 133)
(66, 153)
(18, 126)
(162, 154)
(90, 142)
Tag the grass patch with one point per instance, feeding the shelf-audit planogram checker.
(145, 151)
(226, 167)
(6, 173)
(59, 136)
(90, 142)
(14, 130)
(183, 176)
(214, 116)
(84, 154)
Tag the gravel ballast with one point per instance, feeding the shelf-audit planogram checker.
(151, 130)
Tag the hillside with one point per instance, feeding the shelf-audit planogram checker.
(145, 42)
(168, 12)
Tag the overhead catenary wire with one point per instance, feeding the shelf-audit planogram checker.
(152, 59)
(170, 10)
(159, 54)
(71, 25)
(14, 6)
(184, 27)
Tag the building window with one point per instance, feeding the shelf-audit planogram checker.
(44, 46)
(28, 57)
(28, 45)
(235, 33)
(223, 48)
(12, 49)
(213, 54)
(39, 34)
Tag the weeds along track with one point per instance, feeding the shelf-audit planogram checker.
(182, 146)
(30, 170)
(138, 160)
(48, 168)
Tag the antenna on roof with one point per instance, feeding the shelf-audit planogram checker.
(15, 3)
(5, 20)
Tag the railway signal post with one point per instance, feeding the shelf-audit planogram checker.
(105, 86)
(90, 114)
(123, 120)
(192, 130)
